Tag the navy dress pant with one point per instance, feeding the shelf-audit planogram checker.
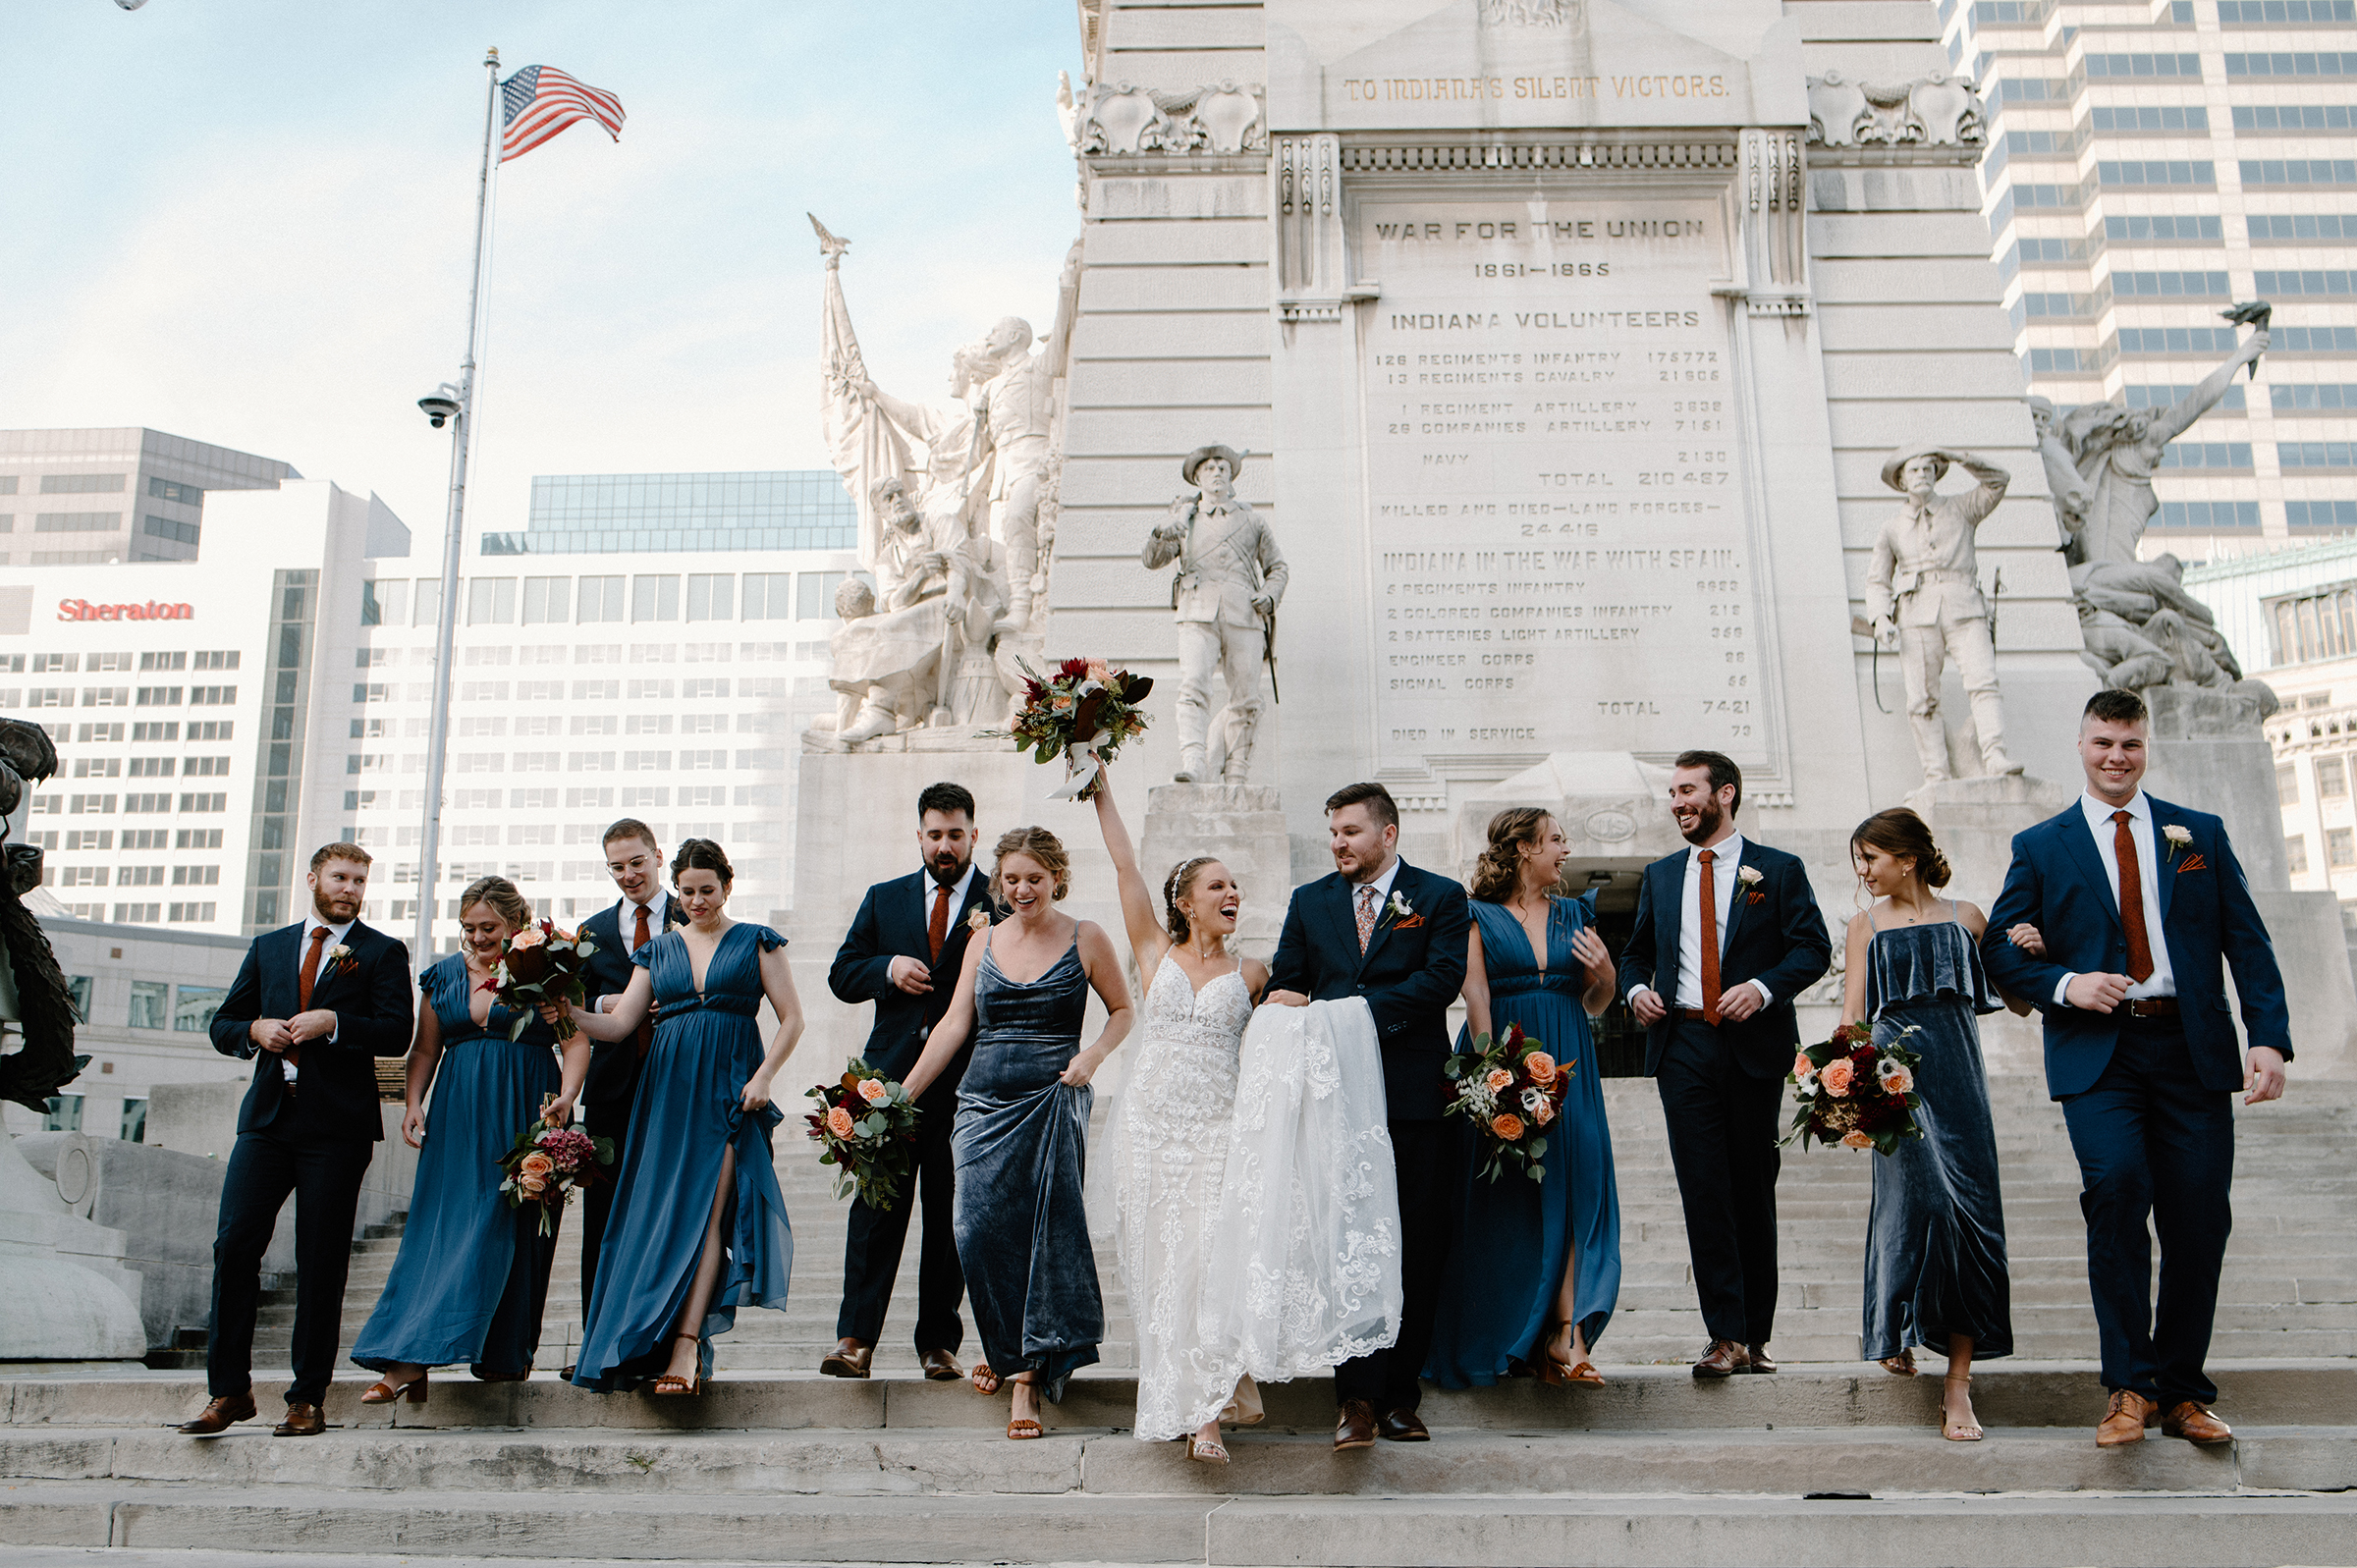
(1723, 1125)
(1430, 1159)
(324, 1175)
(2154, 1144)
(871, 1252)
(606, 1118)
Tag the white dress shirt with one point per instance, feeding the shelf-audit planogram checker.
(1727, 858)
(2162, 981)
(958, 892)
(1383, 889)
(303, 947)
(626, 920)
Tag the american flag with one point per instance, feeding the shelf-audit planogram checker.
(538, 101)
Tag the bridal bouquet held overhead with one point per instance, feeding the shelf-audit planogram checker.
(1083, 713)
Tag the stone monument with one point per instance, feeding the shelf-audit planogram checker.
(1925, 590)
(1230, 580)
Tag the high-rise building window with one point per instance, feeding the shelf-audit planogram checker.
(2295, 850)
(2288, 784)
(2341, 847)
(599, 599)
(655, 598)
(149, 999)
(2332, 779)
(547, 601)
(491, 601)
(385, 603)
(711, 596)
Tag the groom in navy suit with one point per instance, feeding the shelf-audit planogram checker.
(904, 953)
(2139, 905)
(1381, 929)
(314, 1004)
(1727, 934)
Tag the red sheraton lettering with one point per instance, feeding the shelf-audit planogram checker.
(152, 610)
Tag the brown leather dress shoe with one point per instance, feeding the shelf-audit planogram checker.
(1404, 1425)
(2191, 1419)
(940, 1367)
(1723, 1359)
(1761, 1360)
(1353, 1425)
(2124, 1422)
(302, 1420)
(220, 1415)
(850, 1359)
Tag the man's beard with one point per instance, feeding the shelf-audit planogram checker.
(950, 877)
(332, 917)
(1706, 822)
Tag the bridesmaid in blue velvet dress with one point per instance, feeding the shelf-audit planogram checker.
(1935, 1272)
(701, 1227)
(472, 1277)
(1021, 1135)
(1536, 1271)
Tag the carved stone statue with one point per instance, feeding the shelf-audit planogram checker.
(2142, 628)
(1230, 580)
(1925, 585)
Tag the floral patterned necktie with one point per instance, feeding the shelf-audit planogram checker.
(1366, 917)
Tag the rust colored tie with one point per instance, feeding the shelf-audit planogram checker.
(1709, 940)
(937, 929)
(645, 1036)
(2131, 899)
(310, 969)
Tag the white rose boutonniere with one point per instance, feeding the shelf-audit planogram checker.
(338, 953)
(978, 920)
(1399, 908)
(2179, 837)
(1749, 876)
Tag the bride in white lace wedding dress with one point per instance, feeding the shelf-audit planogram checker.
(1171, 1136)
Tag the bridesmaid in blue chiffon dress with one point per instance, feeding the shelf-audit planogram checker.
(472, 1277)
(700, 1224)
(1935, 1269)
(1021, 1140)
(1536, 1271)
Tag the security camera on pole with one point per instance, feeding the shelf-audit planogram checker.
(527, 109)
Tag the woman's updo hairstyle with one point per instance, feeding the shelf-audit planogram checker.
(501, 895)
(702, 854)
(1039, 844)
(1174, 888)
(1899, 831)
(1498, 870)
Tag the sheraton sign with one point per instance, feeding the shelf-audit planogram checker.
(152, 610)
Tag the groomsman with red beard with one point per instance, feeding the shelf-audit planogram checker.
(1726, 935)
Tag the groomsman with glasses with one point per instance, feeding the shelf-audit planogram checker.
(642, 913)
(903, 953)
(313, 1005)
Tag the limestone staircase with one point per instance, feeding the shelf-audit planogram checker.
(1828, 1462)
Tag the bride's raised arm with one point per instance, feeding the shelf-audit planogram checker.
(1147, 939)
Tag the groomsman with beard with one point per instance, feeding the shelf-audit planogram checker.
(1382, 930)
(1726, 935)
(313, 1005)
(642, 913)
(903, 953)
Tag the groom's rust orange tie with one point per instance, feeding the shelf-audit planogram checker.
(2131, 897)
(1709, 940)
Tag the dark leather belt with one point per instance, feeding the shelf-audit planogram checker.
(1696, 1015)
(2150, 1007)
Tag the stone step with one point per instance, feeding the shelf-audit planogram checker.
(2013, 1393)
(834, 1462)
(2014, 1531)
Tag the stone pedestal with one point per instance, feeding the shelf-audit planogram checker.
(2209, 753)
(1240, 825)
(65, 1294)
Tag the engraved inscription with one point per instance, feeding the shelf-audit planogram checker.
(1559, 546)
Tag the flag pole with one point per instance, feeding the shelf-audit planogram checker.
(437, 747)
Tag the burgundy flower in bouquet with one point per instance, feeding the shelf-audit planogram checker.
(1084, 712)
(1851, 1091)
(546, 1164)
(1512, 1090)
(865, 1126)
(541, 964)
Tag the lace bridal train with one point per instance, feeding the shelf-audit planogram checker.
(1258, 1221)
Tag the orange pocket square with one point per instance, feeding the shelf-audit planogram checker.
(1408, 923)
(1757, 898)
(2193, 863)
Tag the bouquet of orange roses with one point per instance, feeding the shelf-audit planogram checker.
(865, 1125)
(1084, 712)
(1512, 1090)
(1851, 1091)
(547, 1164)
(542, 963)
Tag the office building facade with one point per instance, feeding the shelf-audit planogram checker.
(2148, 165)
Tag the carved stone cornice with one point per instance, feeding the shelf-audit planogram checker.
(1936, 119)
(1119, 119)
(1603, 152)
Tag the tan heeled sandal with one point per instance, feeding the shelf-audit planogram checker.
(382, 1392)
(1956, 1432)
(671, 1382)
(1901, 1365)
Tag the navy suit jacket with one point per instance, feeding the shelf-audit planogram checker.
(1774, 935)
(2057, 883)
(1413, 968)
(614, 1063)
(375, 1008)
(891, 924)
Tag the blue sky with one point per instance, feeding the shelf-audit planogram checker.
(249, 222)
